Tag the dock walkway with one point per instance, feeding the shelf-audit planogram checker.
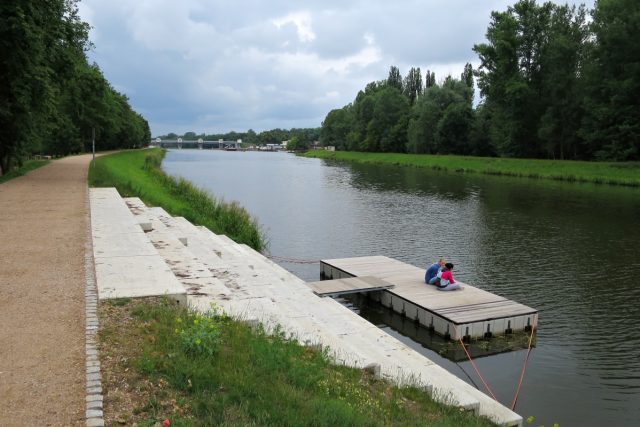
(470, 312)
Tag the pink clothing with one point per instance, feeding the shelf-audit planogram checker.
(447, 276)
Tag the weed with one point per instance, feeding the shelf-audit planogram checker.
(118, 302)
(201, 336)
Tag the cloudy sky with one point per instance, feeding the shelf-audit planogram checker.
(220, 65)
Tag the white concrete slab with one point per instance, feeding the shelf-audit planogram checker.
(116, 244)
(127, 264)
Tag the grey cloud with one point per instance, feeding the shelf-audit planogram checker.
(221, 65)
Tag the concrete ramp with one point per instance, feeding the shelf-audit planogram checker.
(127, 264)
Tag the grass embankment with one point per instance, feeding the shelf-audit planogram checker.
(162, 362)
(624, 173)
(28, 166)
(138, 173)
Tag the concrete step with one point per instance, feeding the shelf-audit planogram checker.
(126, 263)
(194, 275)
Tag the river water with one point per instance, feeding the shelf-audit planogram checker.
(569, 250)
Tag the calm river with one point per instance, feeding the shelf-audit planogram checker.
(569, 250)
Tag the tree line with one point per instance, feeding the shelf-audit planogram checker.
(556, 81)
(53, 99)
(299, 138)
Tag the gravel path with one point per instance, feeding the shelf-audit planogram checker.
(43, 230)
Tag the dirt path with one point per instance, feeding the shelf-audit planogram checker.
(42, 279)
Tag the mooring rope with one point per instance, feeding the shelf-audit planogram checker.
(524, 368)
(477, 370)
(291, 260)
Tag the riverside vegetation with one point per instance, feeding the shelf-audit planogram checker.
(137, 173)
(614, 173)
(162, 361)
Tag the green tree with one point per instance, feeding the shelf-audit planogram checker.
(28, 29)
(362, 111)
(480, 141)
(335, 128)
(510, 76)
(412, 85)
(611, 126)
(441, 120)
(467, 75)
(467, 78)
(299, 142)
(394, 79)
(429, 79)
(387, 130)
(561, 60)
(250, 137)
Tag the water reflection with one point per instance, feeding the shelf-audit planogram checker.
(569, 250)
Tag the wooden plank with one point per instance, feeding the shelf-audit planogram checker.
(348, 286)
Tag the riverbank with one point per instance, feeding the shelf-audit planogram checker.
(624, 173)
(138, 173)
(162, 362)
(28, 166)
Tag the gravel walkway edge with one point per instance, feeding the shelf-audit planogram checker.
(94, 398)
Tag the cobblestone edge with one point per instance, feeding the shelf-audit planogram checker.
(93, 386)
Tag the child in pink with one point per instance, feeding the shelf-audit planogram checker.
(447, 283)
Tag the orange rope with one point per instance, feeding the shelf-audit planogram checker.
(477, 371)
(524, 368)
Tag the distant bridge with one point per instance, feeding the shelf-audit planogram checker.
(199, 144)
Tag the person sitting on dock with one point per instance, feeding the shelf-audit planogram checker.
(447, 283)
(434, 271)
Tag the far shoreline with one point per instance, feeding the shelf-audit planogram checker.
(626, 174)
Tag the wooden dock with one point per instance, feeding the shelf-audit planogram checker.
(467, 313)
(337, 287)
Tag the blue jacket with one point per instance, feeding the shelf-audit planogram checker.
(431, 272)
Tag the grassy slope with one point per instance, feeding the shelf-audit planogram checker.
(138, 173)
(250, 379)
(627, 173)
(29, 165)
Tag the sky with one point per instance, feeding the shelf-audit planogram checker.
(214, 66)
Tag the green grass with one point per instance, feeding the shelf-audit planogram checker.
(626, 173)
(137, 173)
(244, 377)
(29, 165)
